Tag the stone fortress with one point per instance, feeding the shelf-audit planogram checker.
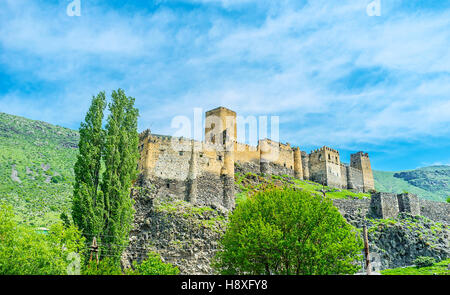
(202, 172)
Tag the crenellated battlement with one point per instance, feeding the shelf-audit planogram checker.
(204, 170)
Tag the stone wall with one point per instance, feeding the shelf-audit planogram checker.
(409, 203)
(335, 178)
(384, 205)
(437, 211)
(354, 179)
(305, 165)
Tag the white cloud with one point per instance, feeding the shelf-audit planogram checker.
(286, 63)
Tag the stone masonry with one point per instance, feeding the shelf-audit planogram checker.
(203, 172)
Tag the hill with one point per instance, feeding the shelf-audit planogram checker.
(432, 183)
(36, 168)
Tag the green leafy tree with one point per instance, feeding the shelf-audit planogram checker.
(121, 156)
(283, 231)
(87, 208)
(24, 251)
(153, 265)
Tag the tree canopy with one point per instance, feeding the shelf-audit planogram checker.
(284, 231)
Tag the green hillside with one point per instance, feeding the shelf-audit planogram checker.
(36, 168)
(432, 183)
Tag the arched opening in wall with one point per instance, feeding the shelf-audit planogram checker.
(336, 160)
(329, 157)
(284, 164)
(181, 153)
(320, 157)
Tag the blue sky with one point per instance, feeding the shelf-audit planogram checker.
(334, 75)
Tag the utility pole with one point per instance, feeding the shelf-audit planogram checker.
(366, 249)
(94, 248)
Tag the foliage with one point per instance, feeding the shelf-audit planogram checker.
(448, 199)
(24, 251)
(440, 268)
(106, 266)
(251, 183)
(424, 261)
(283, 231)
(87, 207)
(105, 169)
(153, 265)
(121, 156)
(42, 156)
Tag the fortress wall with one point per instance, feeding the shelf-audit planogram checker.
(344, 180)
(246, 153)
(352, 207)
(305, 165)
(318, 167)
(384, 205)
(334, 176)
(171, 159)
(298, 168)
(354, 179)
(436, 211)
(361, 162)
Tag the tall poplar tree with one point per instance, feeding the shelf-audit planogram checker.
(87, 205)
(120, 157)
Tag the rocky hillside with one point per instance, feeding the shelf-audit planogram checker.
(432, 183)
(36, 168)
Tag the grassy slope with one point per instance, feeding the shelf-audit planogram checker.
(387, 182)
(43, 156)
(250, 183)
(440, 268)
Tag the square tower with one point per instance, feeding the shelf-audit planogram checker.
(361, 162)
(220, 126)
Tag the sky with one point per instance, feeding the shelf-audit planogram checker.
(334, 73)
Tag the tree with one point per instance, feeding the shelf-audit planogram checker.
(283, 231)
(87, 206)
(105, 170)
(120, 157)
(23, 251)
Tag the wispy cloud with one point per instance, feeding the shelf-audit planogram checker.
(334, 75)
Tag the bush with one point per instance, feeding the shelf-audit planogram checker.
(288, 232)
(24, 251)
(106, 266)
(448, 199)
(153, 265)
(424, 261)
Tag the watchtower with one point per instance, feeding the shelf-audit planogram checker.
(361, 162)
(220, 126)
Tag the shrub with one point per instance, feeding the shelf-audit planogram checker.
(24, 251)
(106, 266)
(288, 232)
(153, 265)
(424, 261)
